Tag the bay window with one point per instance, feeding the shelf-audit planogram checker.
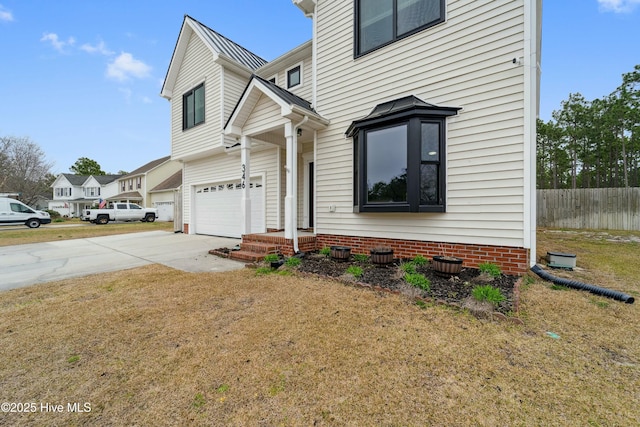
(399, 161)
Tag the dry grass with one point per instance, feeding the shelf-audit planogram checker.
(156, 346)
(50, 233)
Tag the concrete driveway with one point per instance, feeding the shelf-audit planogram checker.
(24, 265)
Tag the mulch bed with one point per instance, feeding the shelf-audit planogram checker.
(454, 290)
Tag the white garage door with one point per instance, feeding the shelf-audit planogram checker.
(165, 211)
(217, 208)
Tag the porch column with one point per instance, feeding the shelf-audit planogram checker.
(289, 199)
(245, 201)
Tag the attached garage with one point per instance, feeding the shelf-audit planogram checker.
(165, 211)
(217, 208)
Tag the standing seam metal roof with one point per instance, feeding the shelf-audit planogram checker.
(230, 48)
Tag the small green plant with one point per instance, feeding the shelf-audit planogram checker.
(292, 262)
(277, 387)
(263, 271)
(418, 280)
(408, 267)
(490, 269)
(73, 359)
(360, 257)
(355, 271)
(269, 258)
(326, 251)
(198, 401)
(223, 388)
(488, 293)
(421, 304)
(420, 260)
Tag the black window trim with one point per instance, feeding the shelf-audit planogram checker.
(395, 38)
(288, 73)
(184, 107)
(414, 118)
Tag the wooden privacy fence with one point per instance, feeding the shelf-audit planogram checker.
(590, 208)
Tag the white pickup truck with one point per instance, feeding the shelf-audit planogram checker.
(121, 212)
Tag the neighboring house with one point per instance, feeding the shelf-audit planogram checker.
(163, 197)
(136, 186)
(73, 193)
(408, 124)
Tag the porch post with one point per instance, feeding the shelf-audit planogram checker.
(289, 198)
(245, 202)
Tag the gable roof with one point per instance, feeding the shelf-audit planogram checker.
(290, 104)
(171, 183)
(75, 179)
(218, 44)
(106, 179)
(149, 166)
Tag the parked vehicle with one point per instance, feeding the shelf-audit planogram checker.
(120, 212)
(13, 212)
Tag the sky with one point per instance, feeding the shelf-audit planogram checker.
(82, 78)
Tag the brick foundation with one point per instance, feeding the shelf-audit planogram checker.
(511, 260)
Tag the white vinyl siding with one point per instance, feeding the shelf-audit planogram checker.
(234, 85)
(463, 62)
(266, 114)
(197, 67)
(225, 167)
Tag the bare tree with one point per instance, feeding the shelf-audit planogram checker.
(24, 168)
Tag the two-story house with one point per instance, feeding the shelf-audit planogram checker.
(404, 123)
(74, 193)
(137, 185)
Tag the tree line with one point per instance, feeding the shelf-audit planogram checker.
(592, 144)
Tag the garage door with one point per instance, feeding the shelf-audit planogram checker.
(217, 208)
(165, 211)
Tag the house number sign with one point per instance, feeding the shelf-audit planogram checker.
(242, 181)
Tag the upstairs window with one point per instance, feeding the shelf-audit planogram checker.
(380, 22)
(294, 77)
(193, 107)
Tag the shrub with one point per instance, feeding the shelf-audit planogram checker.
(488, 293)
(292, 262)
(326, 251)
(53, 214)
(490, 269)
(418, 280)
(355, 271)
(269, 258)
(360, 257)
(420, 260)
(408, 267)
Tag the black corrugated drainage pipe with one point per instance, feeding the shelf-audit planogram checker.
(582, 286)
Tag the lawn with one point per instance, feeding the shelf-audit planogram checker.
(157, 346)
(75, 229)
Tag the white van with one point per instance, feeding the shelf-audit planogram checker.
(14, 212)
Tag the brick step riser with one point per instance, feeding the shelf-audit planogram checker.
(261, 248)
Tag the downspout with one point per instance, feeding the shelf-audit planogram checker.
(314, 57)
(294, 168)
